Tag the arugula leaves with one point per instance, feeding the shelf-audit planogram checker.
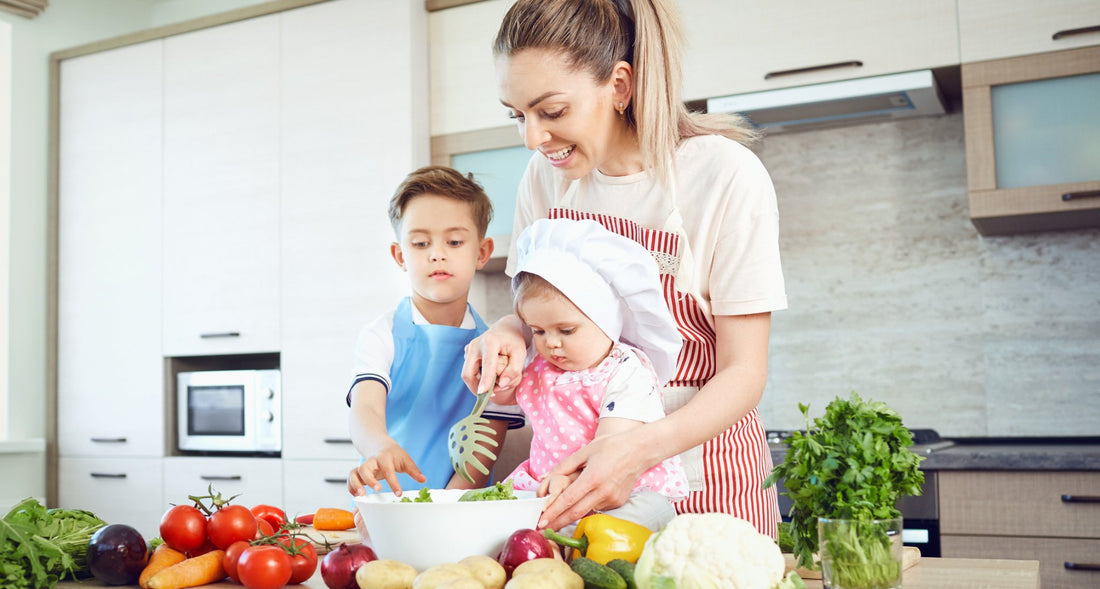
(39, 546)
(853, 463)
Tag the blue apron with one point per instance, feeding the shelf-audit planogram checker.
(427, 395)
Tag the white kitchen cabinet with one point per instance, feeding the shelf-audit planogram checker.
(310, 484)
(993, 29)
(254, 480)
(109, 262)
(117, 490)
(736, 46)
(340, 162)
(221, 189)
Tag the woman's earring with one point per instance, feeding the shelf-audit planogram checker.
(621, 108)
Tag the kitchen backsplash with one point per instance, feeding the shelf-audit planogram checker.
(893, 294)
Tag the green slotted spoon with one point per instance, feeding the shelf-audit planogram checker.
(466, 435)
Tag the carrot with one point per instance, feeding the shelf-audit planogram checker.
(333, 518)
(162, 558)
(195, 571)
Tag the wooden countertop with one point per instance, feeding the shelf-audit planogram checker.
(929, 573)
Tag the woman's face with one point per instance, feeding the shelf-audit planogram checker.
(566, 114)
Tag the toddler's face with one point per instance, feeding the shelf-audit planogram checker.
(563, 334)
(440, 248)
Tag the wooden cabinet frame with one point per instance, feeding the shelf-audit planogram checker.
(996, 210)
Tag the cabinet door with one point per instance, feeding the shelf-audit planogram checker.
(340, 163)
(736, 46)
(109, 254)
(221, 189)
(117, 490)
(992, 29)
(463, 78)
(255, 480)
(316, 483)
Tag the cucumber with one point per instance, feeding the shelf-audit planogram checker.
(625, 568)
(596, 575)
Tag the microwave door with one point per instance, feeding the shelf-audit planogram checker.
(218, 418)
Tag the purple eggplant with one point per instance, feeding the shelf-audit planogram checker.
(522, 546)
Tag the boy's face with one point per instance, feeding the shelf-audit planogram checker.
(440, 249)
(562, 333)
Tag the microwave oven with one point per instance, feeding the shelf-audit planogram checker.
(232, 411)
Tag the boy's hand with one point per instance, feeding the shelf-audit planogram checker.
(383, 466)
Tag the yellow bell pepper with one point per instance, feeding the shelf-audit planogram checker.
(603, 537)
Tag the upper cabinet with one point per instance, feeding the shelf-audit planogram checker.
(221, 189)
(993, 29)
(736, 46)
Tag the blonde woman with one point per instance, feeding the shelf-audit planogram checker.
(594, 87)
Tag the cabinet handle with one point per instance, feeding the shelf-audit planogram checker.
(108, 475)
(337, 440)
(217, 334)
(1083, 194)
(110, 440)
(220, 477)
(1080, 498)
(341, 480)
(1071, 32)
(1081, 566)
(813, 68)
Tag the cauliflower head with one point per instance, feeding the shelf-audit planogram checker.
(710, 551)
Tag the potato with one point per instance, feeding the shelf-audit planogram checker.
(487, 570)
(441, 573)
(385, 574)
(544, 573)
(461, 583)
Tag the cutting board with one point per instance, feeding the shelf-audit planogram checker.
(327, 540)
(910, 556)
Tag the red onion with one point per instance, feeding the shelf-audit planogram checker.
(522, 546)
(339, 566)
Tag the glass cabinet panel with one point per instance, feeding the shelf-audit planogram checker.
(499, 172)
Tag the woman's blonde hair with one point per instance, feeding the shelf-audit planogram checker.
(595, 35)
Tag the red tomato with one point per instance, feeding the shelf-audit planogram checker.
(304, 563)
(271, 514)
(183, 528)
(263, 529)
(232, 556)
(207, 546)
(305, 520)
(264, 567)
(229, 524)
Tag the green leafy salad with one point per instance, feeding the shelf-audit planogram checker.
(39, 546)
(496, 492)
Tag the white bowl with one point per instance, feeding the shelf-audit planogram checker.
(445, 530)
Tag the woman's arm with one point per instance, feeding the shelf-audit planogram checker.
(505, 338)
(612, 464)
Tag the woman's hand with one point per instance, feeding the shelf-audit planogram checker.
(383, 466)
(608, 469)
(505, 339)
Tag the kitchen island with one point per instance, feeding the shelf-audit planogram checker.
(929, 573)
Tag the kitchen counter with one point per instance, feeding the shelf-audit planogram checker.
(998, 454)
(929, 573)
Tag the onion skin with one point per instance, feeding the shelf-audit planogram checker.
(339, 566)
(522, 546)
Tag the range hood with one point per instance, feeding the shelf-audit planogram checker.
(831, 104)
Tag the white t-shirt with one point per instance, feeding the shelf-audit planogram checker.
(729, 211)
(374, 356)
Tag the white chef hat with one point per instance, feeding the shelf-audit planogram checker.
(611, 278)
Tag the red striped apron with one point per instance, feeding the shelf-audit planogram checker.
(735, 462)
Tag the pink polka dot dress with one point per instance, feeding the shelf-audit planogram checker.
(564, 409)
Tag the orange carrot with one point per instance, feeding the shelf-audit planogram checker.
(162, 558)
(195, 571)
(333, 518)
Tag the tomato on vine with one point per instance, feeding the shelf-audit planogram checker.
(232, 557)
(303, 558)
(264, 567)
(271, 514)
(230, 524)
(183, 528)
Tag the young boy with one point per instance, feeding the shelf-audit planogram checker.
(408, 390)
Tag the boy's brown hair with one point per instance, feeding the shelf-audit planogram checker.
(446, 182)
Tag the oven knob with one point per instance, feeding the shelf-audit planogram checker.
(270, 417)
(270, 394)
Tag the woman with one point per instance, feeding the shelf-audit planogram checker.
(594, 87)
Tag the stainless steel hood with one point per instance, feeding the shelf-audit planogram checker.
(832, 104)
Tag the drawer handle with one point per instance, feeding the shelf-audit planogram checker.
(219, 334)
(220, 477)
(1083, 194)
(1080, 498)
(813, 68)
(1081, 566)
(1071, 32)
(108, 475)
(341, 480)
(337, 440)
(110, 440)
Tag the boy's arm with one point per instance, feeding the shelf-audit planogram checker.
(384, 456)
(500, 430)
